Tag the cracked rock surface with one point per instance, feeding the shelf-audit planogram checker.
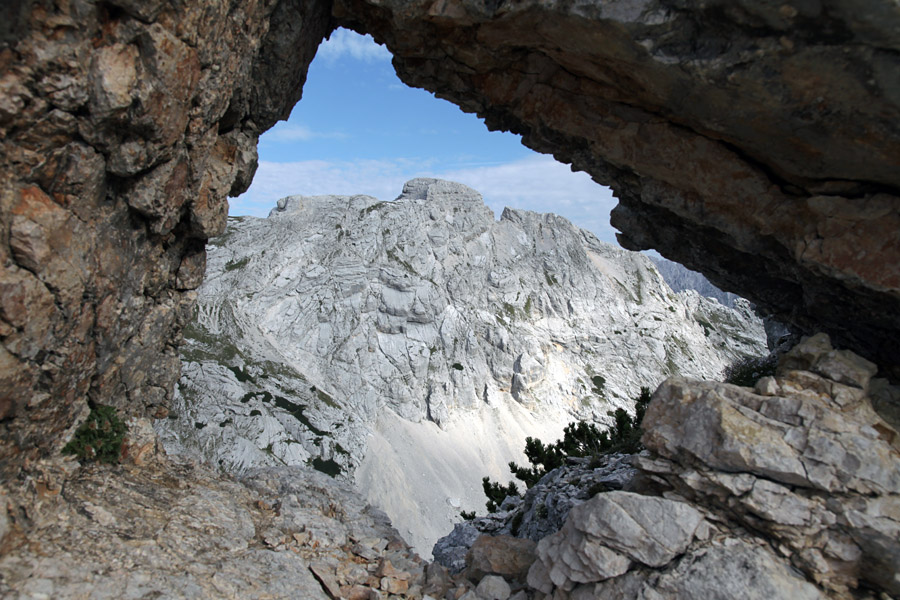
(413, 344)
(780, 506)
(124, 126)
(178, 530)
(783, 489)
(756, 142)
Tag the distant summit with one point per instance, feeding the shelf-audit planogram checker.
(681, 278)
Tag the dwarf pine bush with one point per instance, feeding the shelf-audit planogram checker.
(581, 439)
(100, 437)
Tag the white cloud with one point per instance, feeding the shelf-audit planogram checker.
(536, 183)
(344, 42)
(289, 132)
(283, 132)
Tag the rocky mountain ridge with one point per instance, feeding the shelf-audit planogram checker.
(799, 501)
(724, 154)
(681, 278)
(756, 142)
(352, 335)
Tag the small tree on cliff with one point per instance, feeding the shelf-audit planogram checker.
(579, 439)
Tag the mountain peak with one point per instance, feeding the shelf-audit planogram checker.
(428, 188)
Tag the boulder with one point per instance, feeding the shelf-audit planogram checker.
(501, 555)
(803, 458)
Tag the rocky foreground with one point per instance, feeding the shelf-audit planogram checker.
(757, 142)
(799, 498)
(788, 490)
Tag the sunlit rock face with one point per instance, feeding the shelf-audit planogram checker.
(414, 344)
(123, 127)
(758, 143)
(755, 142)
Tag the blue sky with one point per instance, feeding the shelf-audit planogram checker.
(359, 130)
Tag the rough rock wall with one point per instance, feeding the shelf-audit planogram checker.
(183, 531)
(123, 127)
(333, 331)
(806, 471)
(805, 480)
(758, 143)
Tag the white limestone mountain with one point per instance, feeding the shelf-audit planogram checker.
(411, 346)
(680, 278)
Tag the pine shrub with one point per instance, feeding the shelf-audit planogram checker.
(745, 372)
(100, 438)
(581, 439)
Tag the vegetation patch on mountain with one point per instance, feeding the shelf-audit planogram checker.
(580, 439)
(100, 438)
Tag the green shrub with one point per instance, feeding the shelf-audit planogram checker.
(584, 439)
(497, 493)
(232, 265)
(747, 371)
(100, 438)
(581, 439)
(467, 516)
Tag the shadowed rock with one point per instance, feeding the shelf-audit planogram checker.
(757, 143)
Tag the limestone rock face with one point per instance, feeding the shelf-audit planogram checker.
(605, 535)
(783, 491)
(804, 459)
(680, 278)
(123, 128)
(541, 511)
(181, 530)
(757, 143)
(383, 339)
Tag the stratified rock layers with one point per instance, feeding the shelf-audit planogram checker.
(123, 127)
(790, 489)
(758, 143)
(755, 142)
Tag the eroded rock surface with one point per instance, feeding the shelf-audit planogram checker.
(758, 144)
(123, 127)
(804, 458)
(179, 530)
(783, 493)
(755, 142)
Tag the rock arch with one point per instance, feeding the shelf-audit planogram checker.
(757, 143)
